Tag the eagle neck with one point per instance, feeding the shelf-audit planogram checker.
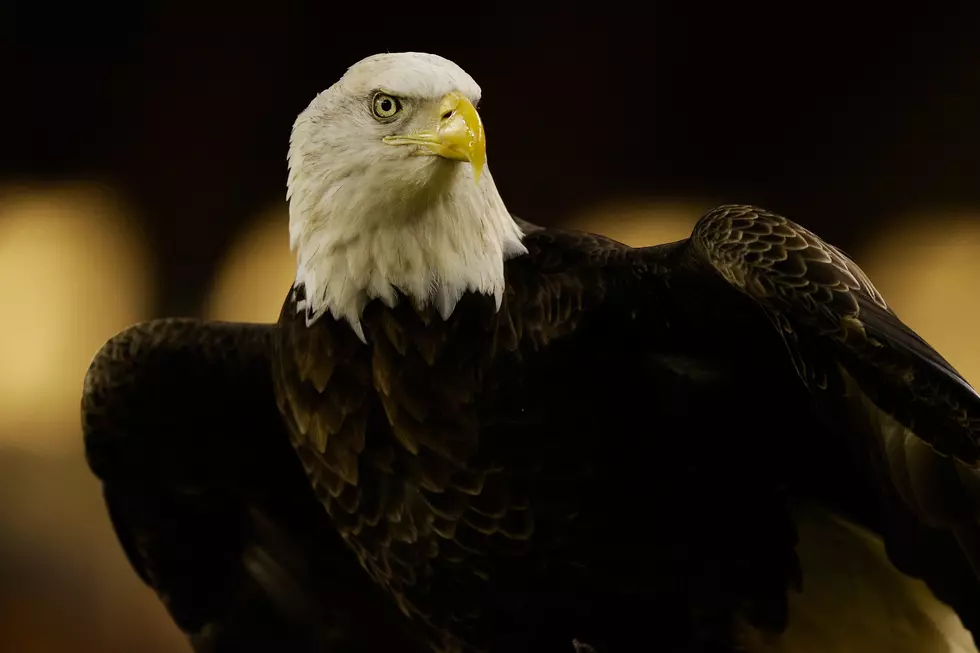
(351, 251)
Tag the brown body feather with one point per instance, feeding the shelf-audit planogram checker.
(608, 456)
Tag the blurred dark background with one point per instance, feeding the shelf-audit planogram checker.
(142, 173)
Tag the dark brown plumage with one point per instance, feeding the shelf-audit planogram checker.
(209, 501)
(608, 457)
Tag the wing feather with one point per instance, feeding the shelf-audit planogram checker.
(922, 416)
(209, 501)
(808, 285)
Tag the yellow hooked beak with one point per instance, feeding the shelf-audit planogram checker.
(457, 134)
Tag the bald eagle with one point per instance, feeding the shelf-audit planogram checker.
(470, 433)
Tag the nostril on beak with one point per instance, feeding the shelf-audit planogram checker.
(447, 115)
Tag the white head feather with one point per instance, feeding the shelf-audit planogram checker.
(367, 218)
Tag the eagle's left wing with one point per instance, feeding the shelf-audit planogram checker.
(848, 344)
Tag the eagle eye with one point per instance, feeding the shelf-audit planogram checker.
(385, 106)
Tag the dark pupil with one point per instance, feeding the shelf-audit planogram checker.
(385, 106)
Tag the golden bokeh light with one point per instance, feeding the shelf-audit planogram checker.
(927, 266)
(256, 273)
(642, 222)
(72, 273)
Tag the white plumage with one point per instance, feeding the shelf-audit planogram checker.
(367, 218)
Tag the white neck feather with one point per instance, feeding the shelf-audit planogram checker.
(354, 244)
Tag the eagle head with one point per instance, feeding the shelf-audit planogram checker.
(389, 192)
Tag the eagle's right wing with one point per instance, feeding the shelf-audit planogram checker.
(208, 498)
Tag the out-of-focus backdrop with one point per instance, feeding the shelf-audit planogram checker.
(142, 169)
